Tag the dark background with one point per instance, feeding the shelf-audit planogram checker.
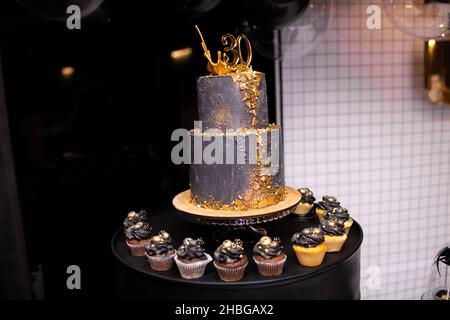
(91, 148)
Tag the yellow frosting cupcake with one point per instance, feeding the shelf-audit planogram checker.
(309, 247)
(334, 235)
(327, 203)
(341, 215)
(306, 201)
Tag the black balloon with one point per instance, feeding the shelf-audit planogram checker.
(262, 40)
(194, 7)
(273, 13)
(57, 9)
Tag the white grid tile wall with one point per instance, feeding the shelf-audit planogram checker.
(358, 125)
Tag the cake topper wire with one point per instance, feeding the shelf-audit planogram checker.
(232, 46)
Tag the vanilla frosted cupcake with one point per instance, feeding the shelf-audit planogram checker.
(306, 201)
(191, 258)
(230, 260)
(334, 234)
(269, 257)
(135, 217)
(341, 215)
(327, 203)
(160, 252)
(138, 235)
(309, 246)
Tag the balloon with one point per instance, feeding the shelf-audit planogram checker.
(423, 19)
(57, 9)
(262, 40)
(298, 38)
(194, 7)
(273, 13)
(302, 36)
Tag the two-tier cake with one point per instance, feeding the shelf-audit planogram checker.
(247, 167)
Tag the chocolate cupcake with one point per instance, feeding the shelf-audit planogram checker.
(269, 257)
(160, 252)
(341, 215)
(334, 234)
(230, 260)
(306, 201)
(135, 217)
(309, 246)
(138, 236)
(327, 203)
(191, 258)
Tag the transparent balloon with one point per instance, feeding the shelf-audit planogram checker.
(263, 39)
(424, 19)
(438, 282)
(273, 14)
(298, 38)
(57, 9)
(301, 37)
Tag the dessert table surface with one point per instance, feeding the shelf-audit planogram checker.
(338, 277)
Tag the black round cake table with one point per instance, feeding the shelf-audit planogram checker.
(338, 277)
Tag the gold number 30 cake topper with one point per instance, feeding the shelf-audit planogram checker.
(232, 47)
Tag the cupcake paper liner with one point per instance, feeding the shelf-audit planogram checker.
(230, 274)
(162, 262)
(192, 270)
(303, 208)
(310, 258)
(335, 243)
(137, 250)
(266, 268)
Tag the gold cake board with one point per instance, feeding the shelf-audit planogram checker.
(183, 203)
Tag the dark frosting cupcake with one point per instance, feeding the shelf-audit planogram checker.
(307, 196)
(229, 251)
(138, 231)
(441, 295)
(332, 228)
(135, 217)
(328, 203)
(268, 248)
(159, 244)
(308, 237)
(191, 249)
(339, 213)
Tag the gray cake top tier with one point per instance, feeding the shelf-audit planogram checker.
(233, 101)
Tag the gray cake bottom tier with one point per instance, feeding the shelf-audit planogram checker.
(239, 171)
